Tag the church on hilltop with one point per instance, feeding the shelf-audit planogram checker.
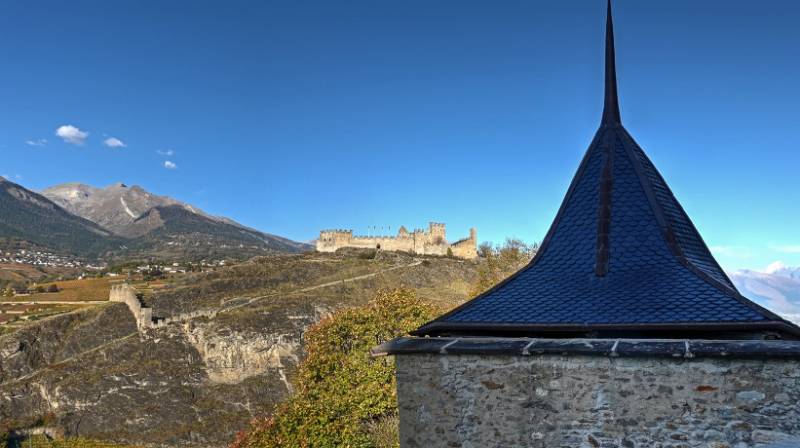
(421, 242)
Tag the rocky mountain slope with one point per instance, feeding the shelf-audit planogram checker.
(31, 217)
(777, 288)
(173, 232)
(197, 381)
(121, 222)
(116, 207)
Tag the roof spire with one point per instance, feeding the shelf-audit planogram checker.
(611, 109)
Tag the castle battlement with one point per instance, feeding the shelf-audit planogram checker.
(430, 241)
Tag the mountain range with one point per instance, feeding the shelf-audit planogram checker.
(117, 207)
(121, 221)
(29, 217)
(776, 288)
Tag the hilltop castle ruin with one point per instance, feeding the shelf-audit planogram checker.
(423, 242)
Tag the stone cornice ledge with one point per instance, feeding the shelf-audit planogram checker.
(613, 348)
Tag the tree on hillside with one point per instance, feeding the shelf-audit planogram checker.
(501, 261)
(343, 397)
(485, 249)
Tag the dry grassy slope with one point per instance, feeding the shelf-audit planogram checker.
(18, 272)
(196, 383)
(87, 289)
(441, 280)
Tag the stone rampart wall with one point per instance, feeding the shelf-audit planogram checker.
(582, 401)
(430, 242)
(126, 294)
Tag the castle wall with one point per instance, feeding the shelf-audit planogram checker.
(589, 401)
(430, 242)
(126, 294)
(467, 248)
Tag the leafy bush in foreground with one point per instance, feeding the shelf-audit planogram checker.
(341, 394)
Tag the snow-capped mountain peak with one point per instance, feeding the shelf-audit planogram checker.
(777, 288)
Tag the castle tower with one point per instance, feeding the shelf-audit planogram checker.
(332, 240)
(437, 233)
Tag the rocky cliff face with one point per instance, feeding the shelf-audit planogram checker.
(231, 356)
(153, 387)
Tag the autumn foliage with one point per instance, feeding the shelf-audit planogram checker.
(341, 393)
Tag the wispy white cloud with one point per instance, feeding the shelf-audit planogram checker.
(170, 165)
(71, 134)
(166, 152)
(9, 177)
(37, 142)
(738, 252)
(113, 142)
(786, 248)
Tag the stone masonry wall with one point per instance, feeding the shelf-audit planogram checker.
(126, 294)
(551, 401)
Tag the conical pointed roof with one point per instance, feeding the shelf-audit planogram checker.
(621, 257)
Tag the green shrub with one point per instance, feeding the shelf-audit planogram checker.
(343, 397)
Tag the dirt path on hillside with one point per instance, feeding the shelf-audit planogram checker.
(251, 300)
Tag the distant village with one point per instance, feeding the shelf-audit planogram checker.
(46, 259)
(59, 267)
(53, 260)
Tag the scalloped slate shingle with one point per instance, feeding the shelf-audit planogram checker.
(645, 282)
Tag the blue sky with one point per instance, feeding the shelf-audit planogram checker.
(296, 116)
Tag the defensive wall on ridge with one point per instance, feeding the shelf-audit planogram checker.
(128, 295)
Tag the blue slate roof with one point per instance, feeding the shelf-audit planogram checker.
(622, 254)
